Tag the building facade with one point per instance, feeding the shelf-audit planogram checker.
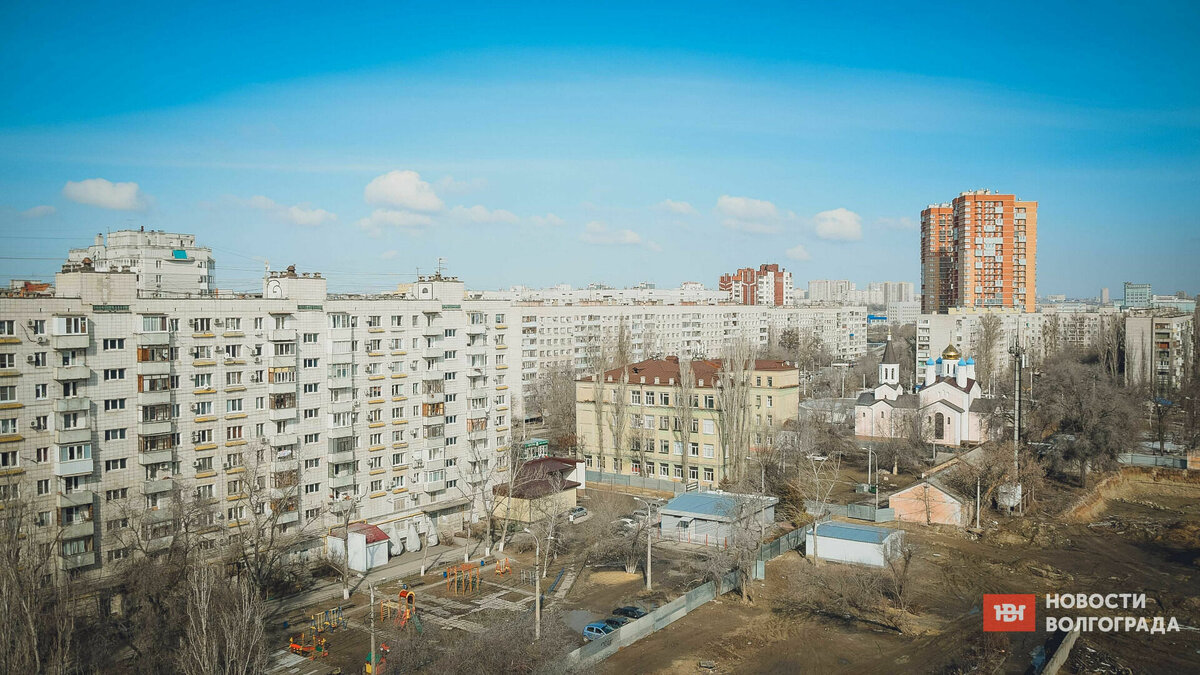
(1159, 350)
(769, 285)
(116, 405)
(166, 264)
(979, 251)
(643, 397)
(1136, 295)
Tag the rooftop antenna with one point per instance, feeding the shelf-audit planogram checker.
(441, 265)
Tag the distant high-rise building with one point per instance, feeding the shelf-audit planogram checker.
(1104, 299)
(167, 264)
(830, 290)
(1137, 295)
(768, 285)
(979, 251)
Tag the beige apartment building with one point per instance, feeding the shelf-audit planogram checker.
(641, 404)
(117, 402)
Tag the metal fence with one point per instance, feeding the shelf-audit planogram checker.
(855, 511)
(642, 482)
(791, 540)
(1138, 459)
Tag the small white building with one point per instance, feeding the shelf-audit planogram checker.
(709, 517)
(854, 543)
(368, 546)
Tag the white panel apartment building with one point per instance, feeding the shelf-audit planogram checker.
(554, 336)
(111, 401)
(166, 264)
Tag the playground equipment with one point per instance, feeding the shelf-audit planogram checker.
(330, 619)
(400, 611)
(503, 568)
(461, 579)
(308, 645)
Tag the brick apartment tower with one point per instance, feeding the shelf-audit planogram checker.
(979, 252)
(768, 285)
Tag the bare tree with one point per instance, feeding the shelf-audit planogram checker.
(685, 408)
(817, 478)
(618, 416)
(739, 552)
(554, 399)
(899, 576)
(991, 332)
(733, 408)
(225, 631)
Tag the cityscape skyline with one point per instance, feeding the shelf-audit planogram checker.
(638, 159)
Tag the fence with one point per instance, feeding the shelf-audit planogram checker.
(1138, 459)
(855, 511)
(600, 649)
(642, 482)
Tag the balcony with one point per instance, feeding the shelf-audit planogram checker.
(281, 388)
(282, 361)
(282, 335)
(67, 373)
(477, 414)
(340, 432)
(341, 357)
(154, 368)
(75, 498)
(72, 436)
(433, 420)
(77, 530)
(70, 341)
(153, 339)
(342, 406)
(73, 404)
(155, 457)
(341, 480)
(77, 560)
(280, 414)
(434, 486)
(156, 428)
(156, 397)
(287, 517)
(158, 485)
(280, 440)
(477, 435)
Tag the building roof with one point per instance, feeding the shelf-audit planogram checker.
(373, 533)
(951, 352)
(890, 353)
(540, 477)
(854, 532)
(937, 484)
(667, 370)
(714, 505)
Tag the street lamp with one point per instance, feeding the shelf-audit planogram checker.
(371, 611)
(872, 476)
(649, 541)
(537, 585)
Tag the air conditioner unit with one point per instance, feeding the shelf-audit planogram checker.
(226, 466)
(30, 359)
(195, 436)
(218, 322)
(37, 426)
(41, 340)
(31, 323)
(255, 378)
(258, 359)
(191, 323)
(196, 464)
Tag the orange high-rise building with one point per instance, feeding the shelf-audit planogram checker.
(979, 252)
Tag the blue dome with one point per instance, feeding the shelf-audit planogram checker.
(939, 359)
(970, 361)
(961, 362)
(929, 362)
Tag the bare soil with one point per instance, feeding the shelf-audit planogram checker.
(1141, 535)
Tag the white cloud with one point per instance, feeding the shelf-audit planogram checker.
(449, 186)
(105, 194)
(798, 252)
(38, 211)
(388, 255)
(404, 189)
(840, 224)
(548, 220)
(480, 214)
(678, 208)
(750, 215)
(405, 220)
(300, 214)
(597, 232)
(901, 223)
(745, 208)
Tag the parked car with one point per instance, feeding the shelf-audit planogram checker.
(623, 523)
(629, 611)
(616, 621)
(596, 629)
(575, 513)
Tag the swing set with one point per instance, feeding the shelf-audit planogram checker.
(462, 579)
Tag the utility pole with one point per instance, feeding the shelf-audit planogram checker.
(1018, 354)
(977, 503)
(649, 541)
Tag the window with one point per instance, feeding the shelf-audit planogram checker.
(664, 447)
(8, 425)
(233, 378)
(43, 486)
(114, 434)
(74, 325)
(311, 363)
(709, 427)
(693, 449)
(40, 392)
(8, 394)
(114, 495)
(114, 404)
(39, 359)
(310, 338)
(41, 455)
(233, 433)
(709, 450)
(8, 361)
(114, 464)
(203, 464)
(310, 387)
(111, 344)
(114, 374)
(708, 474)
(7, 327)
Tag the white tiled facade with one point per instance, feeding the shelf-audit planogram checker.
(111, 399)
(165, 264)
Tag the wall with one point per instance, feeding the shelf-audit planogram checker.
(842, 550)
(926, 504)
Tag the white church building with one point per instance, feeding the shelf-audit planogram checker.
(949, 401)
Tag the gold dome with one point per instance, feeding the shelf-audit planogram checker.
(950, 353)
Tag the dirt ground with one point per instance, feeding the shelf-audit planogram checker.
(1145, 537)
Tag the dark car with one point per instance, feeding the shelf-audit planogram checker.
(616, 621)
(630, 612)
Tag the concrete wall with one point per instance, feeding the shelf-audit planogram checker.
(859, 552)
(926, 504)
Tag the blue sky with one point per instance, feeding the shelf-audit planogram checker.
(537, 144)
